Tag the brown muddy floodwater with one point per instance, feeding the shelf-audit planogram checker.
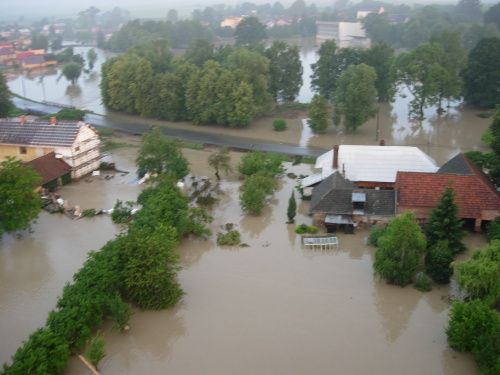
(270, 308)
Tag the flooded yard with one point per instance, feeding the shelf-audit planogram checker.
(270, 308)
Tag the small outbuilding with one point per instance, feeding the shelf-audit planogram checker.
(53, 171)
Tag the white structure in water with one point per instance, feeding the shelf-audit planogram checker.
(345, 34)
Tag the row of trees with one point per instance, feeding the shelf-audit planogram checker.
(226, 86)
(139, 266)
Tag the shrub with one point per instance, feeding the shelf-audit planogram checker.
(423, 282)
(260, 162)
(493, 232)
(375, 233)
(231, 238)
(399, 250)
(303, 228)
(90, 212)
(254, 191)
(122, 212)
(438, 262)
(292, 208)
(95, 350)
(279, 125)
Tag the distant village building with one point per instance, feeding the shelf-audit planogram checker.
(76, 143)
(7, 55)
(37, 62)
(369, 166)
(477, 199)
(367, 9)
(345, 34)
(231, 22)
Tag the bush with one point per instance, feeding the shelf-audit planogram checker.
(260, 162)
(438, 262)
(303, 228)
(375, 233)
(279, 125)
(493, 232)
(90, 212)
(254, 191)
(122, 212)
(95, 350)
(423, 282)
(231, 238)
(474, 327)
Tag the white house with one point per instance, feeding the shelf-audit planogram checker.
(370, 166)
(345, 34)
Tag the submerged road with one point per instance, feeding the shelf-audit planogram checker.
(136, 126)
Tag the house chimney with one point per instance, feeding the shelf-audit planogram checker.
(336, 157)
(53, 120)
(382, 142)
(22, 119)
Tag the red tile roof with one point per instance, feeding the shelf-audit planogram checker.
(49, 167)
(473, 193)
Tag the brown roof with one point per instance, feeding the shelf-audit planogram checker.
(49, 167)
(63, 134)
(473, 193)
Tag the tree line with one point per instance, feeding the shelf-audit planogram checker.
(228, 86)
(139, 267)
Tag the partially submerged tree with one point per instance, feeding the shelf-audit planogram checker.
(292, 208)
(318, 114)
(220, 161)
(95, 350)
(72, 72)
(399, 250)
(438, 262)
(444, 223)
(91, 58)
(19, 203)
(254, 191)
(355, 97)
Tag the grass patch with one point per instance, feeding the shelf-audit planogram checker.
(105, 132)
(192, 145)
(303, 229)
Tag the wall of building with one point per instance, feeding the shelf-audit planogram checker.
(15, 151)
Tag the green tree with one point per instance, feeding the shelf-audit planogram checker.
(91, 58)
(95, 350)
(381, 57)
(160, 155)
(421, 71)
(220, 161)
(292, 208)
(480, 276)
(285, 71)
(56, 43)
(254, 191)
(157, 52)
(19, 203)
(172, 15)
(481, 77)
(72, 72)
(469, 10)
(250, 31)
(199, 52)
(494, 230)
(5, 102)
(444, 223)
(399, 250)
(151, 266)
(260, 163)
(438, 262)
(318, 114)
(356, 96)
(39, 41)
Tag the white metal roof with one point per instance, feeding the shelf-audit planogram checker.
(375, 163)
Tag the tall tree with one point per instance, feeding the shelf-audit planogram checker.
(157, 52)
(492, 15)
(438, 262)
(318, 114)
(399, 250)
(419, 70)
(444, 223)
(199, 52)
(172, 15)
(292, 208)
(91, 58)
(250, 31)
(19, 203)
(481, 76)
(285, 71)
(331, 64)
(381, 57)
(220, 161)
(5, 102)
(469, 10)
(72, 72)
(160, 155)
(356, 96)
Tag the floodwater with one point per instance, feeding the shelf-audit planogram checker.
(34, 268)
(270, 308)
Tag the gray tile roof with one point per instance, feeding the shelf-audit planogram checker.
(63, 134)
(457, 165)
(334, 196)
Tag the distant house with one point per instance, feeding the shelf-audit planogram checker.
(231, 22)
(345, 34)
(476, 197)
(337, 202)
(369, 166)
(37, 62)
(53, 170)
(7, 55)
(77, 143)
(21, 55)
(367, 9)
